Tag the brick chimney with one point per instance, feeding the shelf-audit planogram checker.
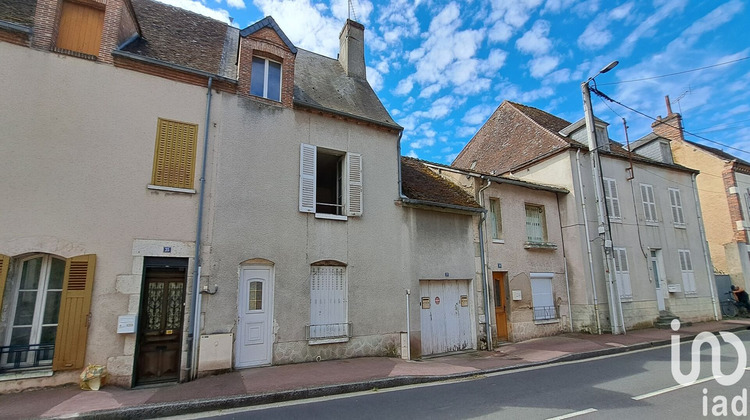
(669, 127)
(352, 49)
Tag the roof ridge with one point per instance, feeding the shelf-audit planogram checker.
(557, 136)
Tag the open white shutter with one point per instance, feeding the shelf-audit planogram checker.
(307, 169)
(354, 184)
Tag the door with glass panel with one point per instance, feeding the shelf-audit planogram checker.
(657, 273)
(255, 321)
(160, 325)
(37, 287)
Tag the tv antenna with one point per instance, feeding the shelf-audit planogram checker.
(352, 11)
(679, 98)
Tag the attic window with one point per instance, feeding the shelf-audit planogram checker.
(265, 79)
(80, 28)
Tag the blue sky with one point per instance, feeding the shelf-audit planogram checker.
(442, 67)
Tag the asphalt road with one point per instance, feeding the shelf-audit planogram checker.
(636, 385)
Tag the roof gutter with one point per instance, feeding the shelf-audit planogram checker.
(503, 180)
(178, 67)
(411, 202)
(15, 27)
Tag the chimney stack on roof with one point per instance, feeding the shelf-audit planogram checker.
(669, 127)
(352, 49)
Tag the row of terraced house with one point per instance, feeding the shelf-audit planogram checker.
(183, 197)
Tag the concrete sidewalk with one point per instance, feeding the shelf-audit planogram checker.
(305, 380)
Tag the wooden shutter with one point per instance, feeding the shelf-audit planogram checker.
(354, 184)
(308, 155)
(80, 28)
(4, 265)
(75, 306)
(174, 154)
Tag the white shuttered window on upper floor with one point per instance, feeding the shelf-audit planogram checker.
(612, 199)
(649, 203)
(675, 201)
(331, 183)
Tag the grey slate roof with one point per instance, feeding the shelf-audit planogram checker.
(321, 83)
(648, 138)
(268, 22)
(20, 12)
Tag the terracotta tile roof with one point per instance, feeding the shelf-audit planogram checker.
(514, 134)
(418, 182)
(20, 12)
(177, 36)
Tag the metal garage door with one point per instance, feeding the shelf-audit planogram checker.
(445, 316)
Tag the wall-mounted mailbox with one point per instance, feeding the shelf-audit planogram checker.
(516, 294)
(126, 324)
(425, 303)
(464, 300)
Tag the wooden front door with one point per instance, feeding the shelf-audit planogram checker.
(160, 325)
(501, 306)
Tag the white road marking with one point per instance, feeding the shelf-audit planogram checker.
(674, 388)
(575, 414)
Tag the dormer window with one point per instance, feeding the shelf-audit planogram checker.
(80, 28)
(265, 80)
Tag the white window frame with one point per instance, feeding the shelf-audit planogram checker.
(622, 273)
(37, 323)
(351, 182)
(496, 220)
(686, 269)
(530, 233)
(649, 203)
(542, 296)
(675, 202)
(329, 305)
(266, 62)
(612, 200)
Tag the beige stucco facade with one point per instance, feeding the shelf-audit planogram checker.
(78, 154)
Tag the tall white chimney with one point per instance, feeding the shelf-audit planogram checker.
(352, 49)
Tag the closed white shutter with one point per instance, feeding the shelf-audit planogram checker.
(649, 203)
(307, 169)
(354, 184)
(688, 275)
(622, 273)
(542, 297)
(328, 302)
(676, 202)
(612, 198)
(534, 228)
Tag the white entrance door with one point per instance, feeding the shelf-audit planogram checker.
(255, 308)
(445, 316)
(655, 261)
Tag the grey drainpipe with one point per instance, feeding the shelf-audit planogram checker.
(483, 261)
(398, 150)
(195, 309)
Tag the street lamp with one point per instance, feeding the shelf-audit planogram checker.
(603, 230)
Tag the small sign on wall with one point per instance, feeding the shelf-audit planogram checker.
(126, 324)
(516, 294)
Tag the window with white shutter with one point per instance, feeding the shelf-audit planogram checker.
(330, 183)
(688, 275)
(495, 219)
(612, 199)
(649, 203)
(542, 298)
(536, 230)
(675, 200)
(328, 305)
(622, 273)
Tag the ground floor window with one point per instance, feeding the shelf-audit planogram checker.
(542, 298)
(328, 303)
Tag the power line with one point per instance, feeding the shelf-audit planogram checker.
(599, 93)
(678, 73)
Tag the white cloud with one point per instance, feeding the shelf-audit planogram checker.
(237, 4)
(429, 90)
(500, 32)
(495, 61)
(478, 114)
(374, 78)
(621, 12)
(514, 13)
(535, 41)
(418, 144)
(666, 10)
(466, 131)
(558, 77)
(541, 66)
(362, 10)
(413, 154)
(596, 35)
(404, 87)
(200, 8)
(383, 67)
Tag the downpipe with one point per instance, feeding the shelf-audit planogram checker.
(483, 262)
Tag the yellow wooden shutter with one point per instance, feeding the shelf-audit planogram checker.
(174, 154)
(4, 264)
(75, 305)
(80, 28)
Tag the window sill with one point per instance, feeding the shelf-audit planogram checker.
(498, 241)
(547, 321)
(171, 189)
(317, 341)
(652, 223)
(330, 216)
(626, 298)
(25, 374)
(74, 53)
(540, 245)
(615, 220)
(691, 294)
(680, 226)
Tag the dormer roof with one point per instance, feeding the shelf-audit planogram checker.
(268, 22)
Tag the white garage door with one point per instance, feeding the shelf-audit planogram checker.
(445, 316)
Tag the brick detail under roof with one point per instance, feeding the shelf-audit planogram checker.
(669, 127)
(266, 43)
(45, 23)
(735, 205)
(19, 38)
